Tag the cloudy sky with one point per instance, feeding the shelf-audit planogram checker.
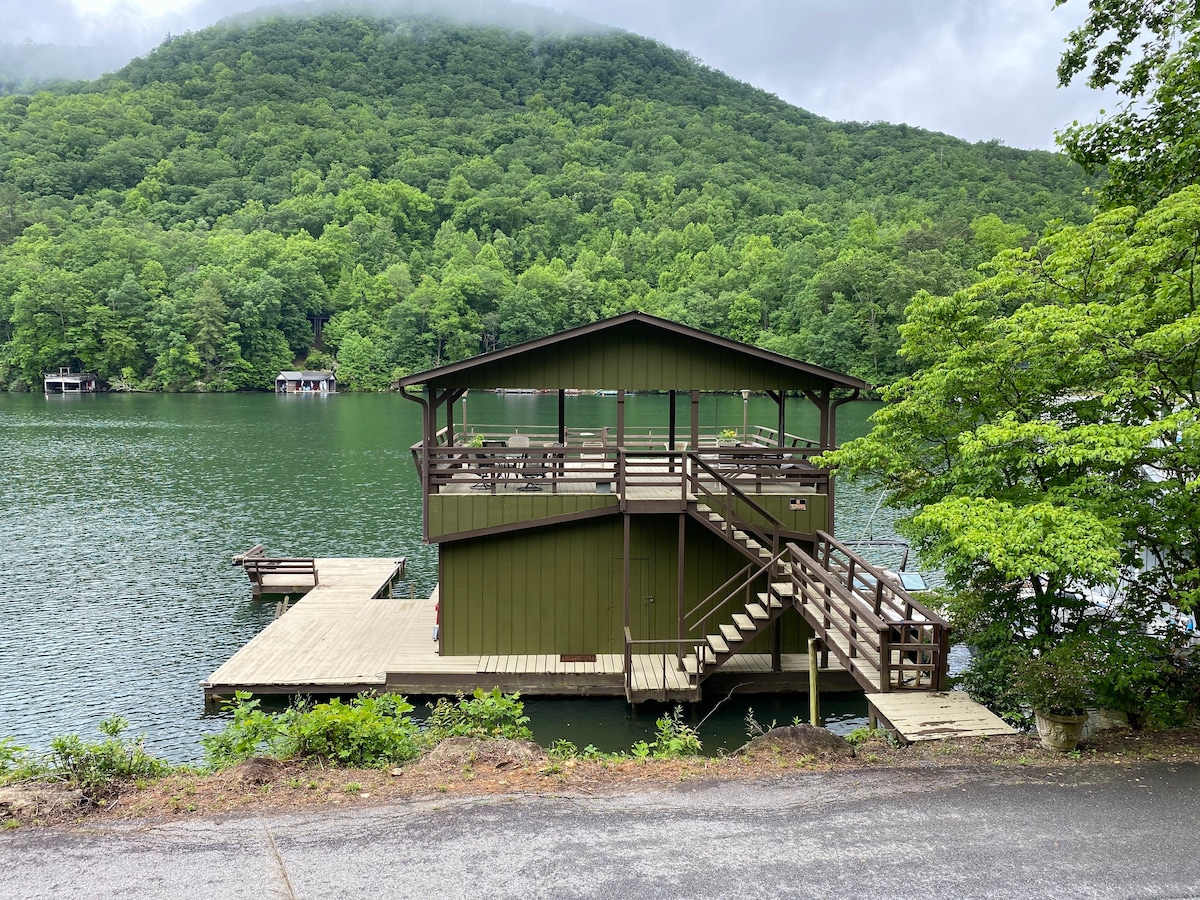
(977, 69)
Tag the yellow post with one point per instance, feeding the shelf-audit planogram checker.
(814, 711)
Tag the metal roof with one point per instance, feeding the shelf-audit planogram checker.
(636, 352)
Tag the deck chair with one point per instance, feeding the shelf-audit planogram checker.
(536, 465)
(489, 471)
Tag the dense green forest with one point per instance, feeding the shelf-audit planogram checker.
(431, 190)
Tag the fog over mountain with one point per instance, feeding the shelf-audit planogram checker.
(977, 69)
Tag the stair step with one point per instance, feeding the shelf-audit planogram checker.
(783, 588)
(703, 508)
(744, 623)
(717, 643)
(769, 600)
(741, 536)
(731, 633)
(689, 664)
(714, 517)
(756, 611)
(764, 553)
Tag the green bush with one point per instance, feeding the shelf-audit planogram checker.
(11, 756)
(486, 715)
(98, 768)
(1154, 684)
(673, 739)
(371, 731)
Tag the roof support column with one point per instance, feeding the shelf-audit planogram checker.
(671, 443)
(621, 417)
(562, 417)
(778, 396)
(695, 420)
(832, 437)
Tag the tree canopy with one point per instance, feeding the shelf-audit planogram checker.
(431, 190)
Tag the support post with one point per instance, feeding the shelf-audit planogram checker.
(671, 429)
(776, 645)
(814, 703)
(778, 396)
(621, 417)
(680, 593)
(562, 416)
(625, 560)
(695, 420)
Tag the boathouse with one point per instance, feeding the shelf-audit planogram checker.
(676, 552)
(322, 382)
(65, 381)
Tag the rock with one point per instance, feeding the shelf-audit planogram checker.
(38, 799)
(259, 770)
(801, 740)
(464, 751)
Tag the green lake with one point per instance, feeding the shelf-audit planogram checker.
(119, 514)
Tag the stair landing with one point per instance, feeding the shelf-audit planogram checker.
(934, 715)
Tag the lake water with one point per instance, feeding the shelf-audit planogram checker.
(119, 514)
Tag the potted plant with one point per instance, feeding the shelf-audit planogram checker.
(475, 441)
(727, 438)
(1059, 685)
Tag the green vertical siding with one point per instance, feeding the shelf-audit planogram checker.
(560, 589)
(451, 514)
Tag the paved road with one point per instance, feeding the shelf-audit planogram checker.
(923, 834)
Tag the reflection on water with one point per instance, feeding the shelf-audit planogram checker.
(119, 515)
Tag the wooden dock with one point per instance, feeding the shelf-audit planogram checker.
(346, 635)
(933, 715)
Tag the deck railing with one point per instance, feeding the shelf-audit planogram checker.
(586, 460)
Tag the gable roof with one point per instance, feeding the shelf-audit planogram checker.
(633, 352)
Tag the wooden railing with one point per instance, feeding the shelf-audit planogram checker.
(612, 468)
(696, 619)
(738, 510)
(860, 613)
(673, 649)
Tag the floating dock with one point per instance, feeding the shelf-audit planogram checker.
(347, 635)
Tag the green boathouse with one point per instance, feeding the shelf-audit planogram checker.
(672, 550)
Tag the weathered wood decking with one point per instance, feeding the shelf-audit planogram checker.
(933, 715)
(342, 637)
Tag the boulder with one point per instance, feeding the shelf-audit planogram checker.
(801, 740)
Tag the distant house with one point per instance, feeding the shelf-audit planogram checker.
(306, 383)
(64, 381)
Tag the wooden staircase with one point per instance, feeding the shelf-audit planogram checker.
(881, 635)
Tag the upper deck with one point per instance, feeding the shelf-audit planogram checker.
(501, 476)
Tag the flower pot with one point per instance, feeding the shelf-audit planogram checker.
(1058, 732)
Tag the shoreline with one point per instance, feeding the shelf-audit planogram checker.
(491, 769)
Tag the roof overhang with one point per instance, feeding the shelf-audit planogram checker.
(634, 352)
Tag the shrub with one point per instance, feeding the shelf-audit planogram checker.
(97, 768)
(370, 731)
(674, 739)
(487, 715)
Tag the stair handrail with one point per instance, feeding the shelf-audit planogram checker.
(883, 584)
(734, 519)
(697, 628)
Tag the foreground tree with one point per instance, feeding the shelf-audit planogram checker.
(1149, 50)
(1050, 439)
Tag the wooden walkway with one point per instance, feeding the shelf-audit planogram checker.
(933, 715)
(343, 637)
(339, 636)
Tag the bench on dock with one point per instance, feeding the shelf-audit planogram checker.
(277, 574)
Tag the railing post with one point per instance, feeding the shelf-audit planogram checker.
(885, 659)
(814, 704)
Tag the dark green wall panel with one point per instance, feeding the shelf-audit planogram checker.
(560, 589)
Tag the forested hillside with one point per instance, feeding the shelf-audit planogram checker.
(438, 190)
